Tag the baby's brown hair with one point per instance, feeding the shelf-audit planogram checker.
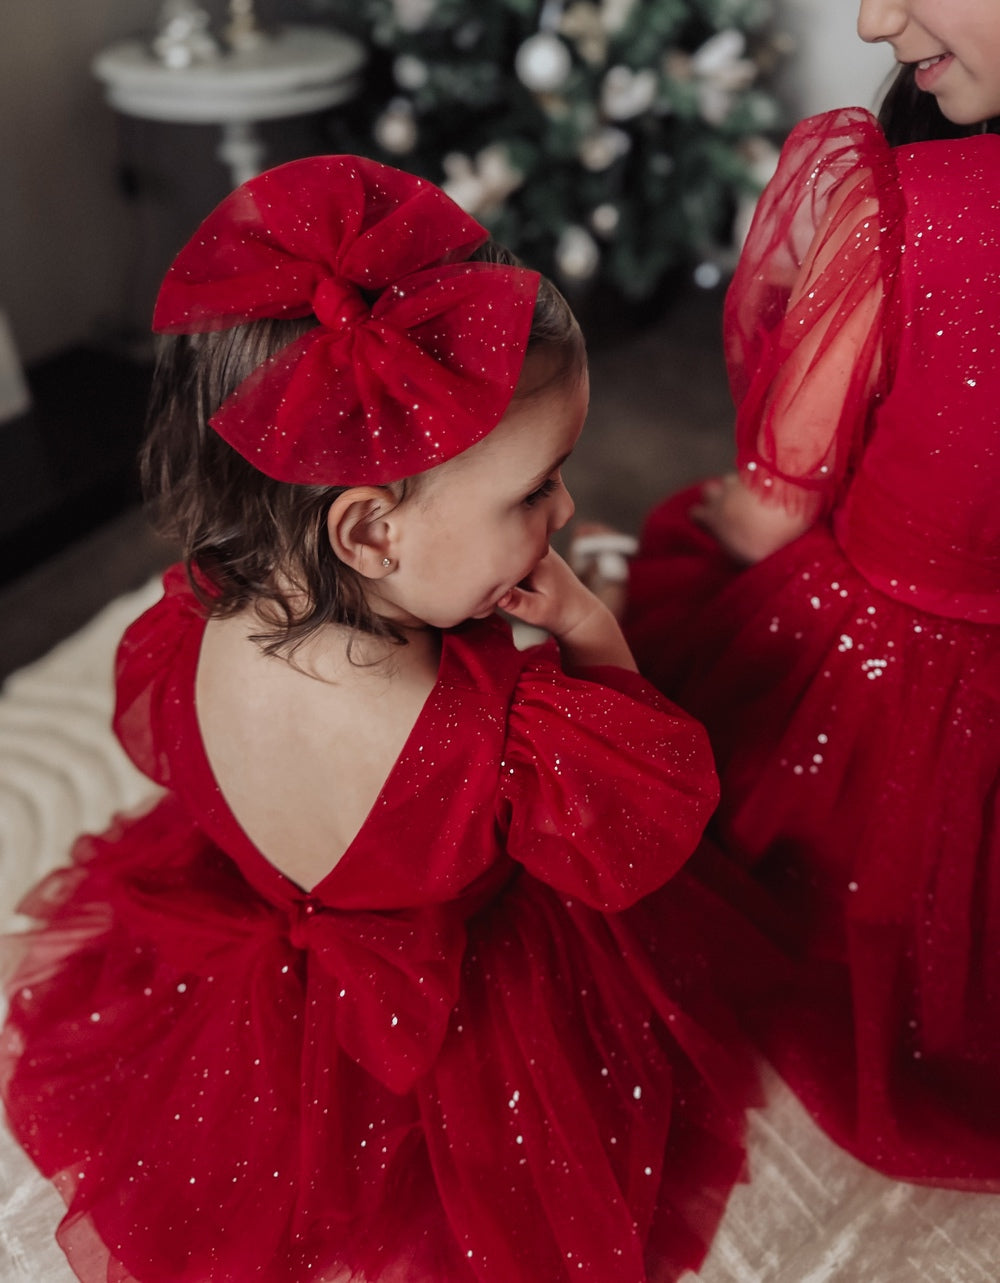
(246, 538)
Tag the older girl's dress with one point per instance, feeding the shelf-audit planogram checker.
(454, 1060)
(850, 682)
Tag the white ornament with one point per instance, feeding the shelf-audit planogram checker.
(396, 129)
(721, 72)
(707, 275)
(412, 15)
(482, 184)
(605, 219)
(626, 93)
(410, 73)
(602, 147)
(577, 255)
(183, 38)
(713, 102)
(615, 14)
(582, 24)
(718, 53)
(543, 63)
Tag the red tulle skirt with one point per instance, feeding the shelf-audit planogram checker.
(858, 745)
(166, 1064)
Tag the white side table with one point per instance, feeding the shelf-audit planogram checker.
(296, 71)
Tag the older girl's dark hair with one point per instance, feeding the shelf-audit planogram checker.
(908, 115)
(244, 537)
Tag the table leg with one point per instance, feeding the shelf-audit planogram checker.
(241, 149)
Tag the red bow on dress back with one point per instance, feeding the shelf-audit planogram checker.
(417, 351)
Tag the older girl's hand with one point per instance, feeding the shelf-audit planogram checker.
(748, 527)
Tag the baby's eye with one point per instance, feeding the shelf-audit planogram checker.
(543, 492)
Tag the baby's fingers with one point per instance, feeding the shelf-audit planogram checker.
(524, 605)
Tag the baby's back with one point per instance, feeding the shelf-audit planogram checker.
(301, 747)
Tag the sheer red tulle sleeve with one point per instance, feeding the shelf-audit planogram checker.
(809, 314)
(608, 785)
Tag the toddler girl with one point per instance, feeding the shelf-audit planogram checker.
(832, 611)
(357, 997)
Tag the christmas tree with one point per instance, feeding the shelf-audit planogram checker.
(603, 140)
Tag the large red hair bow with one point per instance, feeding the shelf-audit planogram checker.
(381, 389)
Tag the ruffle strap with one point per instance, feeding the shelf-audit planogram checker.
(145, 661)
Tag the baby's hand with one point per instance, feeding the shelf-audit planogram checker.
(554, 599)
(747, 526)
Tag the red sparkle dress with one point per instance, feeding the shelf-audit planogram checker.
(850, 682)
(454, 1060)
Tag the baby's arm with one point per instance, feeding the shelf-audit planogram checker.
(554, 599)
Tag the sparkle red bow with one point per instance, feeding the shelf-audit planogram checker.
(380, 984)
(375, 392)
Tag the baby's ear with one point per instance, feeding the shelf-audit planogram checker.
(358, 531)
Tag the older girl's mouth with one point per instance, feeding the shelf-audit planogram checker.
(928, 70)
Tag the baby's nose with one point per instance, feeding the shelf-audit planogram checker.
(563, 511)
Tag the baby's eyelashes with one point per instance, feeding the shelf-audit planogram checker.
(542, 492)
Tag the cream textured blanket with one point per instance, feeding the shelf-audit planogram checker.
(809, 1213)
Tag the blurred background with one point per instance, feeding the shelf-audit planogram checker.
(618, 145)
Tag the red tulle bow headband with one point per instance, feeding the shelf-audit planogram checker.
(378, 390)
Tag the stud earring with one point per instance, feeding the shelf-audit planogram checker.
(387, 562)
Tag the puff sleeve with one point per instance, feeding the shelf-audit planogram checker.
(607, 786)
(810, 312)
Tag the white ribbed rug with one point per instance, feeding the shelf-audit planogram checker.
(809, 1213)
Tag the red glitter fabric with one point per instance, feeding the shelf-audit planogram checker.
(474, 1052)
(851, 682)
(416, 353)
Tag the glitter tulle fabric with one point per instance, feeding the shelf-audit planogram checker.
(378, 389)
(851, 682)
(468, 1054)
